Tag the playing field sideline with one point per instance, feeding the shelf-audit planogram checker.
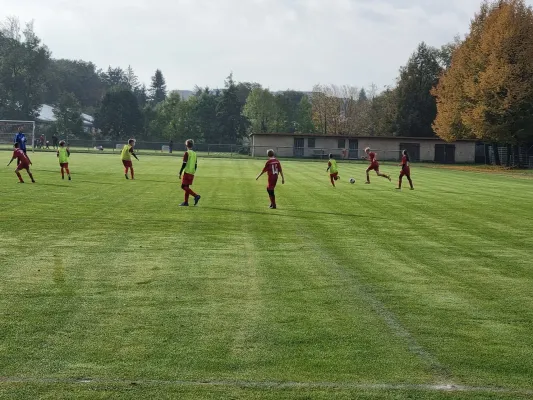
(109, 290)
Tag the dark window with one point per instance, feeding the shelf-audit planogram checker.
(342, 144)
(311, 143)
(413, 149)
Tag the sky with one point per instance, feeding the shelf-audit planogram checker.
(280, 44)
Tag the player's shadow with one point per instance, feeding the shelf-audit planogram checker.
(53, 184)
(288, 213)
(96, 183)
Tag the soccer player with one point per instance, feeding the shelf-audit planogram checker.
(333, 170)
(374, 165)
(406, 171)
(127, 152)
(20, 138)
(23, 163)
(188, 169)
(63, 153)
(273, 169)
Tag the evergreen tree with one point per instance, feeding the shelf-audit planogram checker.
(119, 116)
(158, 89)
(416, 106)
(229, 114)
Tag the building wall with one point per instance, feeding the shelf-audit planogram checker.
(387, 148)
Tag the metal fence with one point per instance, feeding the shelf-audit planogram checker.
(510, 156)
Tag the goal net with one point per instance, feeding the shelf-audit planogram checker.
(9, 129)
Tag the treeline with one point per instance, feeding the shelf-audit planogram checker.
(479, 87)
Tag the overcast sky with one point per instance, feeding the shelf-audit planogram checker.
(278, 43)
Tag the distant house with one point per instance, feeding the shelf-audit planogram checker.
(352, 147)
(46, 116)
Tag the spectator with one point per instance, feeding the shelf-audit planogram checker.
(170, 145)
(55, 142)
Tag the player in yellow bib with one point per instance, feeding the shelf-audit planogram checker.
(333, 169)
(188, 169)
(127, 152)
(63, 153)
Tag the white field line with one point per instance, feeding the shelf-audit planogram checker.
(270, 384)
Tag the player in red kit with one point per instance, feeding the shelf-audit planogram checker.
(406, 171)
(374, 165)
(273, 169)
(23, 163)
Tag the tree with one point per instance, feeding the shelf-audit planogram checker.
(119, 116)
(244, 89)
(362, 96)
(416, 106)
(206, 115)
(67, 112)
(304, 119)
(80, 78)
(115, 78)
(158, 89)
(131, 80)
(326, 109)
(229, 114)
(288, 102)
(23, 63)
(262, 111)
(487, 93)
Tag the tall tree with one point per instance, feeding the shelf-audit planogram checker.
(487, 93)
(262, 111)
(229, 114)
(115, 77)
(23, 63)
(304, 119)
(416, 106)
(244, 89)
(80, 78)
(67, 112)
(158, 88)
(288, 102)
(131, 80)
(119, 116)
(206, 115)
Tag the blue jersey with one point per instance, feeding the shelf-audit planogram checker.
(20, 138)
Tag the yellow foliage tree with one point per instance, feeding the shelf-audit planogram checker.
(487, 93)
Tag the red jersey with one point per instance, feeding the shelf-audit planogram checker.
(21, 157)
(272, 167)
(405, 162)
(372, 157)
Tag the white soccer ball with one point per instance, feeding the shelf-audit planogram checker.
(352, 180)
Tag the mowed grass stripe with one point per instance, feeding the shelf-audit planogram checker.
(131, 287)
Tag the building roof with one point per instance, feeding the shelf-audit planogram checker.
(46, 114)
(318, 135)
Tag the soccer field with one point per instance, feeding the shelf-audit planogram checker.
(109, 290)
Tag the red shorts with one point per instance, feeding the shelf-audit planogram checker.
(272, 181)
(63, 165)
(335, 175)
(187, 179)
(374, 166)
(405, 172)
(127, 163)
(23, 166)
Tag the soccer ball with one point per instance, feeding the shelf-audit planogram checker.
(352, 180)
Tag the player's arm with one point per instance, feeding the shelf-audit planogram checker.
(57, 154)
(261, 174)
(133, 154)
(29, 160)
(185, 159)
(68, 152)
(329, 166)
(282, 177)
(10, 161)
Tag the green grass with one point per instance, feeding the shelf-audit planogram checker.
(109, 289)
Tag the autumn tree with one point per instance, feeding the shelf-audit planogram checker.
(487, 93)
